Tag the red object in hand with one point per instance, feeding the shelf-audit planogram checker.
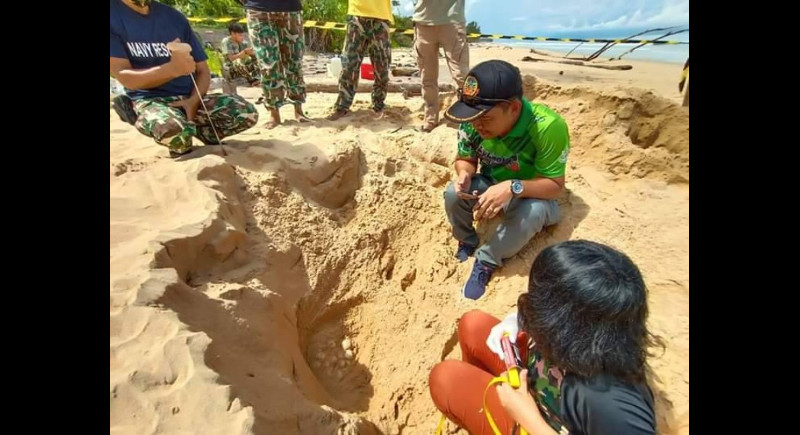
(508, 352)
(509, 357)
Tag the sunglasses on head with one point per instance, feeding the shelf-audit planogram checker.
(473, 101)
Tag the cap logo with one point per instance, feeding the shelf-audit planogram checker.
(470, 86)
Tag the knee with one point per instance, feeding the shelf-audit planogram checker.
(470, 325)
(536, 214)
(170, 127)
(246, 112)
(441, 381)
(249, 115)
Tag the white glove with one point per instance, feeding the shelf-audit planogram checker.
(510, 326)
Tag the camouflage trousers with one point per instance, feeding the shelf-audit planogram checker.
(279, 45)
(168, 125)
(244, 69)
(370, 36)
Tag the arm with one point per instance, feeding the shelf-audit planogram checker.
(203, 78)
(466, 164)
(521, 407)
(552, 149)
(550, 164)
(229, 50)
(539, 187)
(143, 78)
(202, 75)
(534, 424)
(239, 55)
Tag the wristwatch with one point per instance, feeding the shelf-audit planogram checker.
(516, 187)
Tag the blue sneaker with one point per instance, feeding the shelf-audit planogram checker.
(464, 251)
(476, 284)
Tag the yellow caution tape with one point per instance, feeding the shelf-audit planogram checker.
(331, 25)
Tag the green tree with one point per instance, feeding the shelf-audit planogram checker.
(324, 40)
(207, 8)
(318, 40)
(473, 27)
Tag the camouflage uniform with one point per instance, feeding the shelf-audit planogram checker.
(245, 67)
(279, 44)
(544, 382)
(231, 114)
(371, 35)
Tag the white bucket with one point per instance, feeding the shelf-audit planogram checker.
(335, 67)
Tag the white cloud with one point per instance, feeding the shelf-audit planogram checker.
(671, 14)
(585, 16)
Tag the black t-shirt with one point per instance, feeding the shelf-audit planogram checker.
(603, 405)
(274, 5)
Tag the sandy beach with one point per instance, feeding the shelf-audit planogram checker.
(236, 278)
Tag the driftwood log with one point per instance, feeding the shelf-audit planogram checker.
(366, 86)
(579, 63)
(404, 72)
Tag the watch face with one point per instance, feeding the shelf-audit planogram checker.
(516, 187)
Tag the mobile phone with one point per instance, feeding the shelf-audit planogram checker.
(466, 195)
(512, 361)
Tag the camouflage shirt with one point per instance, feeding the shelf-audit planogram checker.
(544, 381)
(229, 46)
(598, 405)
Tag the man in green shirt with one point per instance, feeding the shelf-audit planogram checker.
(521, 148)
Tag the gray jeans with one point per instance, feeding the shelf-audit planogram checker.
(523, 218)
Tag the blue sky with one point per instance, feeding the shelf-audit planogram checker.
(575, 18)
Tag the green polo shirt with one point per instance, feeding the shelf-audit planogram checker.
(537, 146)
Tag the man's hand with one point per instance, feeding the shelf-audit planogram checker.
(181, 63)
(189, 105)
(493, 201)
(510, 326)
(250, 51)
(463, 182)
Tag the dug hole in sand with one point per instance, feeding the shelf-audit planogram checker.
(305, 283)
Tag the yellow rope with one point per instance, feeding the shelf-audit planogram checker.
(494, 381)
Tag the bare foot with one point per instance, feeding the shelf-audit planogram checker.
(337, 114)
(427, 127)
(300, 116)
(275, 120)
